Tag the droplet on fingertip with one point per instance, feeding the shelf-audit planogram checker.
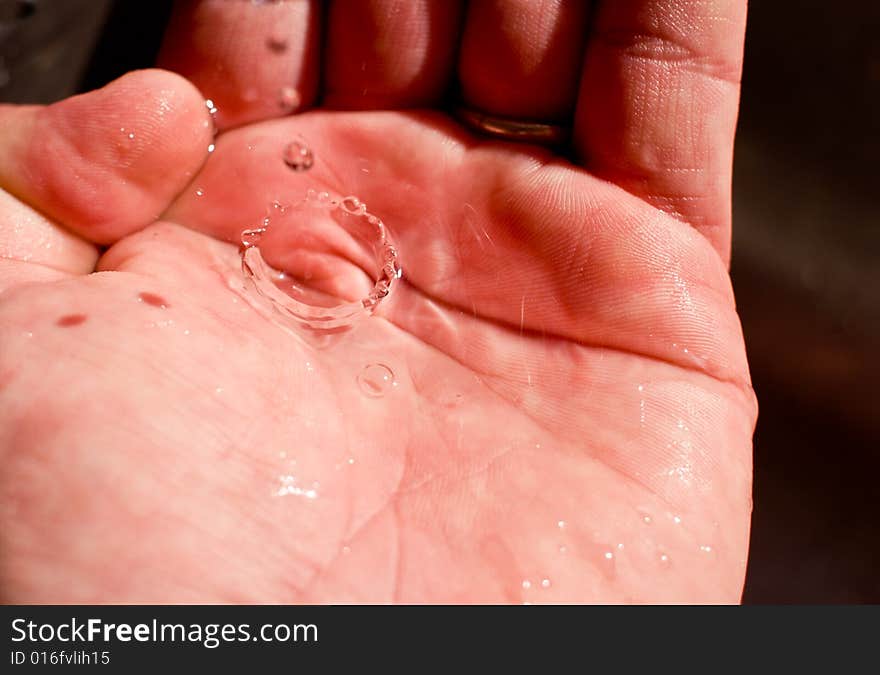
(298, 156)
(289, 98)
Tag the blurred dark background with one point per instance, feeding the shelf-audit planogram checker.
(805, 258)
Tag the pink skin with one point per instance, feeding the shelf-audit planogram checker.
(572, 415)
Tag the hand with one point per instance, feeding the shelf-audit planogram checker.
(572, 417)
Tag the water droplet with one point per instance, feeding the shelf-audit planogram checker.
(298, 156)
(199, 192)
(676, 520)
(664, 560)
(526, 584)
(353, 205)
(211, 148)
(351, 460)
(131, 135)
(289, 487)
(545, 583)
(288, 98)
(376, 379)
(296, 306)
(608, 555)
(212, 109)
(645, 518)
(641, 387)
(561, 524)
(706, 549)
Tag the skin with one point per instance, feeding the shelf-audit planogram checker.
(572, 414)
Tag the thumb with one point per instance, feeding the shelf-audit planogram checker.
(106, 163)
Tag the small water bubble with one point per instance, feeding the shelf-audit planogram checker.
(353, 205)
(298, 156)
(561, 524)
(381, 289)
(676, 520)
(351, 460)
(646, 518)
(212, 109)
(664, 560)
(131, 135)
(200, 192)
(346, 550)
(211, 148)
(706, 549)
(641, 387)
(563, 549)
(545, 583)
(376, 379)
(288, 98)
(526, 584)
(608, 555)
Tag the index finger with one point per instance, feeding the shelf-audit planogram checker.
(253, 60)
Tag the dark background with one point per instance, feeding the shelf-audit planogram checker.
(805, 258)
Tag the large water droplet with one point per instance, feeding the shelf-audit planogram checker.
(297, 300)
(298, 156)
(376, 379)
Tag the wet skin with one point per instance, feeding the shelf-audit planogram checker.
(572, 414)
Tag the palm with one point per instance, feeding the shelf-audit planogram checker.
(571, 418)
(543, 425)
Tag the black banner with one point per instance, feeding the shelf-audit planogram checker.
(410, 638)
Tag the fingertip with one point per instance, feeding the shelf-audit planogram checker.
(256, 61)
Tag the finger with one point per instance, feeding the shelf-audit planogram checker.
(255, 61)
(521, 58)
(389, 53)
(658, 103)
(106, 163)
